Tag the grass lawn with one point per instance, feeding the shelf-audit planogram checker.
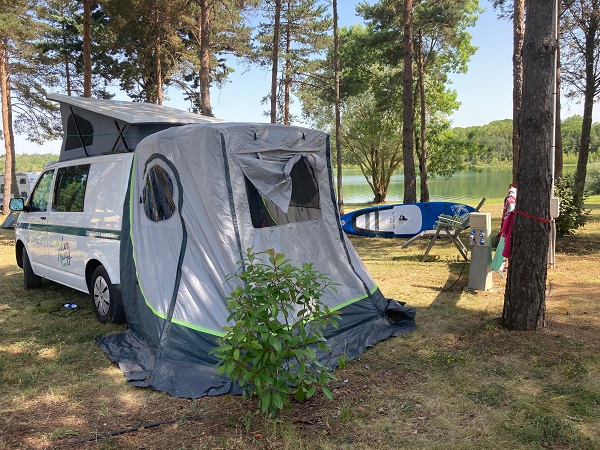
(458, 382)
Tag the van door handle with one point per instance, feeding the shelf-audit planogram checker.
(43, 218)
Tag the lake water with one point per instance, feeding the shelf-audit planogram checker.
(464, 187)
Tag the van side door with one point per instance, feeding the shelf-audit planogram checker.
(34, 224)
(67, 226)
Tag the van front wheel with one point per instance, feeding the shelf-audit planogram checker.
(105, 298)
(30, 279)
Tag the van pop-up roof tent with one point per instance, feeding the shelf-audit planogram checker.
(199, 196)
(94, 126)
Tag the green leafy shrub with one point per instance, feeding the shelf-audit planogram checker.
(593, 183)
(278, 321)
(572, 213)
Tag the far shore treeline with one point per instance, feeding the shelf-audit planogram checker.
(493, 139)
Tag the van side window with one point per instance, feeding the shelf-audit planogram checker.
(41, 194)
(22, 180)
(69, 188)
(304, 204)
(157, 196)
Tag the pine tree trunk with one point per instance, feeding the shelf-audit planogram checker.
(205, 106)
(11, 131)
(338, 149)
(287, 77)
(87, 52)
(525, 294)
(67, 61)
(158, 55)
(558, 146)
(410, 183)
(9, 172)
(423, 138)
(588, 107)
(275, 57)
(519, 32)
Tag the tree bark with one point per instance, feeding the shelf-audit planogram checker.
(588, 106)
(275, 57)
(287, 77)
(558, 146)
(9, 169)
(205, 24)
(410, 184)
(158, 56)
(423, 113)
(519, 32)
(338, 149)
(67, 61)
(11, 131)
(87, 51)
(525, 294)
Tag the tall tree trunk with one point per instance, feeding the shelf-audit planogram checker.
(338, 149)
(67, 61)
(205, 24)
(158, 55)
(9, 169)
(275, 57)
(518, 36)
(15, 186)
(588, 107)
(287, 77)
(410, 182)
(558, 146)
(525, 294)
(87, 49)
(423, 112)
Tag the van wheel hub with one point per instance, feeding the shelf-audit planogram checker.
(101, 296)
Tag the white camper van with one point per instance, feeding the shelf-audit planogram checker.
(70, 227)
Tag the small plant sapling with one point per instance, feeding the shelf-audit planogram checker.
(278, 319)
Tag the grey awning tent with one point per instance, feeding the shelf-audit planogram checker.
(195, 204)
(201, 194)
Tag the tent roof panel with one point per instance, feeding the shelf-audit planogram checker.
(133, 112)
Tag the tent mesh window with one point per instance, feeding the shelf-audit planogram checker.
(304, 204)
(69, 189)
(157, 195)
(76, 125)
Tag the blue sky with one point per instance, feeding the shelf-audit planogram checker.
(485, 92)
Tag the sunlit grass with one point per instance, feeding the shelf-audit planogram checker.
(459, 381)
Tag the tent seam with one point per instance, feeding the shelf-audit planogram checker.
(339, 224)
(231, 201)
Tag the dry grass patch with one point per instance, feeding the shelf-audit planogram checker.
(458, 382)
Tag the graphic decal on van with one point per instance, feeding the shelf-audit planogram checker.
(72, 231)
(64, 252)
(102, 234)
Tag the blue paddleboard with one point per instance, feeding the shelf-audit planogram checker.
(401, 220)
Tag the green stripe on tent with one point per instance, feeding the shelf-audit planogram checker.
(221, 333)
(358, 299)
(154, 311)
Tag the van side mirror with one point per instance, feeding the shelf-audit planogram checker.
(16, 204)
